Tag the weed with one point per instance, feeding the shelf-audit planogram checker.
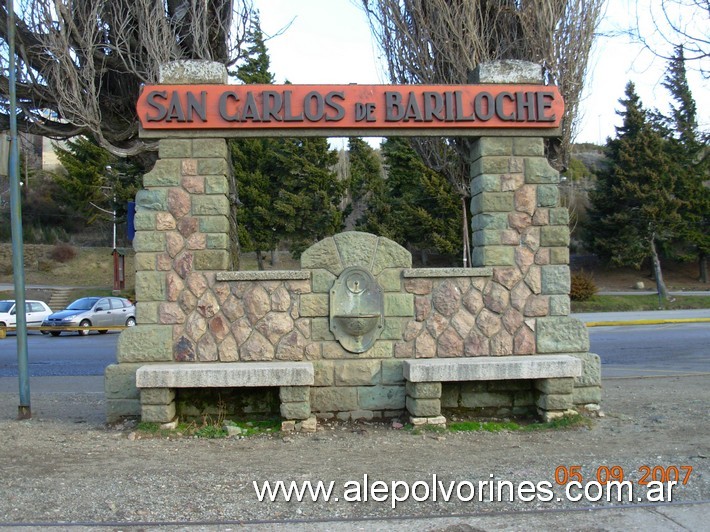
(210, 431)
(208, 428)
(485, 426)
(565, 422)
(147, 427)
(582, 286)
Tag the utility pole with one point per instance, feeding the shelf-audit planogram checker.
(18, 266)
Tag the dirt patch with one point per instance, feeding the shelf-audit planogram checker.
(65, 466)
(677, 275)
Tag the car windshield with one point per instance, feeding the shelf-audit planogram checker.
(5, 306)
(85, 303)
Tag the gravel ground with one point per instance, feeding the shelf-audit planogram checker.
(66, 467)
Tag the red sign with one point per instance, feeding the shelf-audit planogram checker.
(248, 109)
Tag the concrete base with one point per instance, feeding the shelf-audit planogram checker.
(492, 368)
(157, 384)
(552, 376)
(225, 375)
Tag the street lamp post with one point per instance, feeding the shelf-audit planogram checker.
(111, 212)
(117, 257)
(114, 221)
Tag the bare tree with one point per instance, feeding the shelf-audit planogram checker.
(80, 63)
(676, 23)
(442, 41)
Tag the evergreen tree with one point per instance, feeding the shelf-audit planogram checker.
(689, 151)
(364, 177)
(257, 189)
(365, 168)
(85, 164)
(635, 208)
(94, 180)
(414, 205)
(255, 66)
(286, 187)
(307, 208)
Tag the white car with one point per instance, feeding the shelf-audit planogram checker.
(35, 313)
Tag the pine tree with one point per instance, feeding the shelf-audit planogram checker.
(255, 67)
(256, 188)
(307, 207)
(93, 179)
(365, 177)
(635, 208)
(414, 205)
(689, 152)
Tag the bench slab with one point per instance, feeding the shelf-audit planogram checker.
(492, 368)
(225, 375)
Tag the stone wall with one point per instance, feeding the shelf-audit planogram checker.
(193, 308)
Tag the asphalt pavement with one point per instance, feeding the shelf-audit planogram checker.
(647, 317)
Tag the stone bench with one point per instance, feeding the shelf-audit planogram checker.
(157, 384)
(553, 377)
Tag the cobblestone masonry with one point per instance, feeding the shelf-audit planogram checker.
(515, 301)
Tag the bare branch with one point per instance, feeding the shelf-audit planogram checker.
(442, 41)
(80, 63)
(674, 23)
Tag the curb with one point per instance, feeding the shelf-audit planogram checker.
(645, 322)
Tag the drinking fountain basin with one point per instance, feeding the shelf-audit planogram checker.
(357, 325)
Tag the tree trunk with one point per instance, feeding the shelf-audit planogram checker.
(703, 262)
(658, 274)
(275, 255)
(424, 256)
(259, 260)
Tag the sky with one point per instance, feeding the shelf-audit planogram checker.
(329, 41)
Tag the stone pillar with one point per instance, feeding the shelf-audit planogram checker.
(184, 232)
(520, 230)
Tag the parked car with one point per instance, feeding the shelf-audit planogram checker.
(93, 312)
(35, 313)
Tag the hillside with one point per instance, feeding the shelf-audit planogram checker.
(91, 267)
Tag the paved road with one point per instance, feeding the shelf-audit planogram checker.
(653, 293)
(648, 350)
(65, 355)
(652, 350)
(648, 315)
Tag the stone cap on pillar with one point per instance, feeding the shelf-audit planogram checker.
(192, 71)
(507, 71)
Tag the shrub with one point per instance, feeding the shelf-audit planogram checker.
(582, 286)
(45, 265)
(63, 252)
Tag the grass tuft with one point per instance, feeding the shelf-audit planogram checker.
(566, 422)
(484, 426)
(208, 429)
